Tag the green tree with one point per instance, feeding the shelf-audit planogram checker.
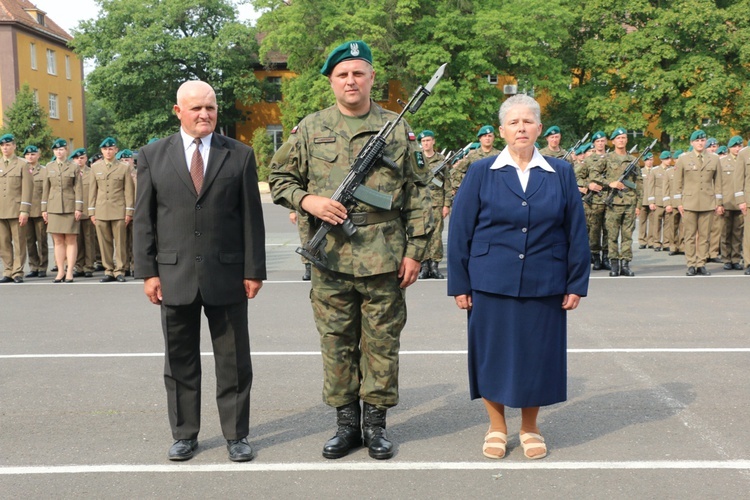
(263, 148)
(144, 50)
(100, 123)
(27, 121)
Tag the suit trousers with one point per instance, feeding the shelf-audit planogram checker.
(714, 239)
(731, 236)
(697, 233)
(182, 366)
(12, 247)
(37, 244)
(112, 236)
(86, 247)
(655, 226)
(644, 226)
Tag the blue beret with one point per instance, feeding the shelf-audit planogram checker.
(711, 142)
(698, 134)
(59, 143)
(648, 156)
(108, 142)
(734, 141)
(599, 134)
(722, 150)
(487, 129)
(7, 138)
(618, 131)
(677, 154)
(30, 149)
(78, 152)
(349, 50)
(425, 133)
(554, 129)
(664, 155)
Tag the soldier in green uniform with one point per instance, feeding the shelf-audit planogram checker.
(87, 235)
(126, 156)
(717, 221)
(441, 206)
(486, 137)
(698, 194)
(36, 231)
(300, 220)
(358, 301)
(741, 188)
(553, 149)
(16, 186)
(594, 170)
(656, 192)
(672, 218)
(645, 239)
(620, 218)
(732, 223)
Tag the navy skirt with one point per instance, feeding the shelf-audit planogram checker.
(517, 350)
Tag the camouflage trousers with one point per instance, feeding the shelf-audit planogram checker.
(596, 227)
(359, 321)
(435, 244)
(620, 221)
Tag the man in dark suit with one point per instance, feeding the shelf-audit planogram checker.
(199, 244)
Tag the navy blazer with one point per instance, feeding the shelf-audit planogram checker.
(505, 241)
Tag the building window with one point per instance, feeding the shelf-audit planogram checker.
(635, 134)
(51, 62)
(67, 67)
(492, 79)
(36, 96)
(71, 145)
(70, 109)
(40, 18)
(276, 133)
(53, 106)
(33, 56)
(273, 89)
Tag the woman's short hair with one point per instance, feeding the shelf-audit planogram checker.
(520, 100)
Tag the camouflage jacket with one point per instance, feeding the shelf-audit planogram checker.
(595, 168)
(441, 196)
(316, 158)
(458, 172)
(546, 151)
(616, 165)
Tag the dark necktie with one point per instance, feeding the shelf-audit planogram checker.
(700, 161)
(196, 166)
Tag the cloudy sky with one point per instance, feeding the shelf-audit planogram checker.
(69, 13)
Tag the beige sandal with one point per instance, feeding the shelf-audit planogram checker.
(498, 445)
(532, 446)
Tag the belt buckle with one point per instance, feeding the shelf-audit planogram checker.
(358, 219)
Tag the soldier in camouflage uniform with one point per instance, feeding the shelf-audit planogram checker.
(553, 149)
(486, 137)
(359, 300)
(441, 206)
(594, 169)
(620, 218)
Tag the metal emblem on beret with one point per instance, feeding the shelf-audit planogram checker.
(354, 49)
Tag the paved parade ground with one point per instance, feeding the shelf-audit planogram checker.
(658, 364)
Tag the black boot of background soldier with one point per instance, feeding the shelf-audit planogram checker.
(596, 261)
(424, 270)
(625, 268)
(614, 267)
(434, 271)
(348, 434)
(605, 261)
(373, 429)
(308, 270)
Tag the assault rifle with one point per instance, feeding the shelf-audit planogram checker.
(352, 187)
(588, 197)
(623, 178)
(438, 178)
(575, 146)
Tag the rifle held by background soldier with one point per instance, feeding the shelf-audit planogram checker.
(575, 146)
(623, 178)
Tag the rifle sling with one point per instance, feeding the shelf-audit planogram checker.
(367, 218)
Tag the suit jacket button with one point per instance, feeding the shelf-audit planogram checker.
(199, 258)
(197, 233)
(524, 230)
(197, 207)
(521, 256)
(523, 204)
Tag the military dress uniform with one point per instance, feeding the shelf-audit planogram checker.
(16, 187)
(594, 168)
(673, 226)
(358, 306)
(441, 196)
(37, 244)
(742, 188)
(645, 216)
(458, 172)
(656, 192)
(732, 221)
(111, 199)
(87, 237)
(620, 216)
(61, 197)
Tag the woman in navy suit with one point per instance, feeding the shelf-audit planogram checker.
(518, 260)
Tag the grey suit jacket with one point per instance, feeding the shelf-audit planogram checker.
(205, 242)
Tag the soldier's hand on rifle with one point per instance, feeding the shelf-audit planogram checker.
(595, 187)
(324, 208)
(617, 185)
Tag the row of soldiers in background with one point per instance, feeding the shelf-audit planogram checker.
(105, 235)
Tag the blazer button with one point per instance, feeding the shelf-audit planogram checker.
(197, 233)
(524, 230)
(199, 258)
(197, 207)
(523, 204)
(521, 256)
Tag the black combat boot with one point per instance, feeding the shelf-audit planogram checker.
(435, 272)
(614, 267)
(424, 271)
(308, 271)
(374, 433)
(625, 268)
(605, 261)
(596, 261)
(349, 433)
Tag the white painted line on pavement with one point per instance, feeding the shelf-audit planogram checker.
(377, 466)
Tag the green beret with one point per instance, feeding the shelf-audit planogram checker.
(734, 141)
(536, 145)
(599, 134)
(108, 142)
(648, 156)
(711, 142)
(30, 149)
(349, 50)
(618, 131)
(59, 143)
(698, 134)
(664, 155)
(722, 150)
(690, 149)
(425, 133)
(487, 129)
(474, 145)
(153, 140)
(585, 147)
(677, 154)
(126, 153)
(7, 138)
(77, 153)
(554, 129)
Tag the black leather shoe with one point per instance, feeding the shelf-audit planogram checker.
(737, 266)
(641, 247)
(6, 279)
(18, 279)
(373, 429)
(690, 271)
(42, 274)
(99, 267)
(182, 449)
(308, 272)
(107, 279)
(728, 266)
(657, 249)
(673, 252)
(77, 274)
(127, 273)
(715, 259)
(747, 271)
(54, 269)
(121, 279)
(88, 275)
(32, 274)
(702, 270)
(239, 450)
(57, 280)
(348, 434)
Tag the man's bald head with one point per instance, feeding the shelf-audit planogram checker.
(196, 108)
